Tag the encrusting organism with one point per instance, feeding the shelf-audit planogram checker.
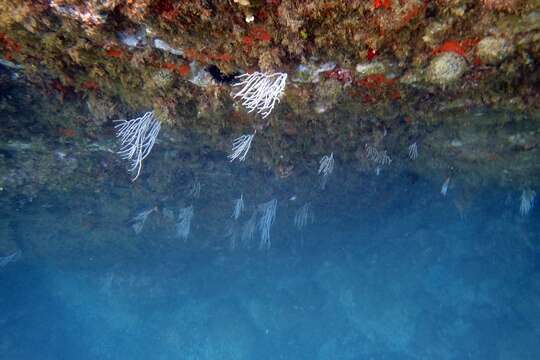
(137, 138)
(241, 146)
(260, 91)
(88, 15)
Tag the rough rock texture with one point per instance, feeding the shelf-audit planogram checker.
(493, 50)
(446, 69)
(459, 78)
(118, 48)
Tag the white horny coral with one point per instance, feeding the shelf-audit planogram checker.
(413, 151)
(183, 224)
(326, 164)
(444, 188)
(326, 167)
(268, 215)
(248, 230)
(137, 138)
(241, 146)
(238, 207)
(232, 232)
(527, 201)
(378, 157)
(303, 216)
(140, 220)
(195, 190)
(260, 91)
(4, 260)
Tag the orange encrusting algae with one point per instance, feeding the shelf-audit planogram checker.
(386, 4)
(458, 47)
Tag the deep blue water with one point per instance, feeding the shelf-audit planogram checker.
(408, 281)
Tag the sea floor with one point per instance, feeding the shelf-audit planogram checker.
(426, 284)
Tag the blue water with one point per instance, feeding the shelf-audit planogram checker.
(408, 280)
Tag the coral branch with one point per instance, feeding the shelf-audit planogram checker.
(413, 151)
(137, 137)
(303, 216)
(268, 210)
(527, 201)
(260, 91)
(183, 224)
(326, 167)
(241, 146)
(238, 207)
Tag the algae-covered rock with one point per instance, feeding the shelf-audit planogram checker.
(446, 68)
(502, 5)
(366, 69)
(310, 73)
(493, 50)
(163, 79)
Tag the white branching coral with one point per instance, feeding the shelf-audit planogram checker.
(444, 188)
(303, 216)
(4, 260)
(137, 138)
(413, 151)
(195, 190)
(326, 167)
(378, 157)
(260, 91)
(232, 232)
(248, 230)
(139, 220)
(183, 223)
(527, 201)
(268, 215)
(241, 146)
(238, 207)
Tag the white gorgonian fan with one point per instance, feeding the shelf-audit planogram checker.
(444, 188)
(326, 164)
(268, 215)
(238, 207)
(378, 157)
(326, 167)
(195, 190)
(4, 260)
(241, 146)
(527, 201)
(137, 138)
(248, 230)
(303, 216)
(140, 220)
(183, 223)
(260, 91)
(413, 151)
